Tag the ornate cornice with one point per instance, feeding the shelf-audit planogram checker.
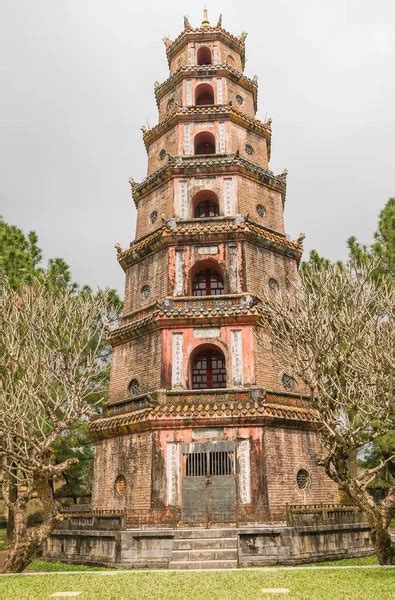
(220, 229)
(186, 311)
(224, 69)
(184, 415)
(206, 33)
(202, 113)
(215, 163)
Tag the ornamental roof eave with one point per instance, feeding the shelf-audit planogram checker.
(187, 415)
(173, 231)
(208, 33)
(161, 319)
(224, 69)
(217, 163)
(200, 113)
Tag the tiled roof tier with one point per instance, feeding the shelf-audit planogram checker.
(216, 229)
(171, 415)
(210, 33)
(212, 163)
(224, 69)
(188, 313)
(201, 113)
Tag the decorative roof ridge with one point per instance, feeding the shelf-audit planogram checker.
(203, 110)
(174, 227)
(171, 44)
(212, 67)
(262, 230)
(232, 310)
(204, 409)
(223, 159)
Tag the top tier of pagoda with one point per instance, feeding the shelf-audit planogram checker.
(207, 83)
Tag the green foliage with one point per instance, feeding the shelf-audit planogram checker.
(20, 264)
(314, 260)
(383, 246)
(382, 249)
(19, 254)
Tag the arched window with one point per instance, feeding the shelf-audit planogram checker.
(205, 205)
(204, 94)
(204, 56)
(208, 369)
(207, 283)
(204, 143)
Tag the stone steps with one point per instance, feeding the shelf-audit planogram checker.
(204, 549)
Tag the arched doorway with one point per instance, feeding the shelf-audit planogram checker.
(208, 369)
(205, 205)
(207, 282)
(204, 94)
(203, 56)
(204, 143)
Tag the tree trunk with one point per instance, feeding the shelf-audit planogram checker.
(13, 495)
(382, 544)
(27, 542)
(378, 517)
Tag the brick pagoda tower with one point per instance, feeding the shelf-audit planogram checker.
(201, 426)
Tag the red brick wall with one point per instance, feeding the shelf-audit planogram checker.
(247, 194)
(237, 137)
(159, 200)
(130, 456)
(252, 193)
(174, 94)
(139, 359)
(236, 90)
(268, 373)
(262, 264)
(152, 271)
(286, 451)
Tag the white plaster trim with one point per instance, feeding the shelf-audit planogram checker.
(243, 458)
(237, 356)
(172, 472)
(177, 376)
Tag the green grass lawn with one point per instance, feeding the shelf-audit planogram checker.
(358, 584)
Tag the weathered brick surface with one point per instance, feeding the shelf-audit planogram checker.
(267, 371)
(262, 264)
(140, 359)
(278, 448)
(151, 271)
(286, 451)
(251, 194)
(233, 90)
(130, 456)
(159, 200)
(247, 194)
(224, 54)
(237, 138)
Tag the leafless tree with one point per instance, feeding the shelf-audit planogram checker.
(334, 331)
(50, 367)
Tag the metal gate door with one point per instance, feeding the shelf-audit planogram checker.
(208, 482)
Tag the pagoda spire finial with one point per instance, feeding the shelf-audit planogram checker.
(205, 23)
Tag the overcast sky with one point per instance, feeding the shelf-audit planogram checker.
(77, 83)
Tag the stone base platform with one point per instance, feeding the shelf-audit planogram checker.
(215, 547)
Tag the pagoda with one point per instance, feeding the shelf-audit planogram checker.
(201, 425)
(206, 454)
